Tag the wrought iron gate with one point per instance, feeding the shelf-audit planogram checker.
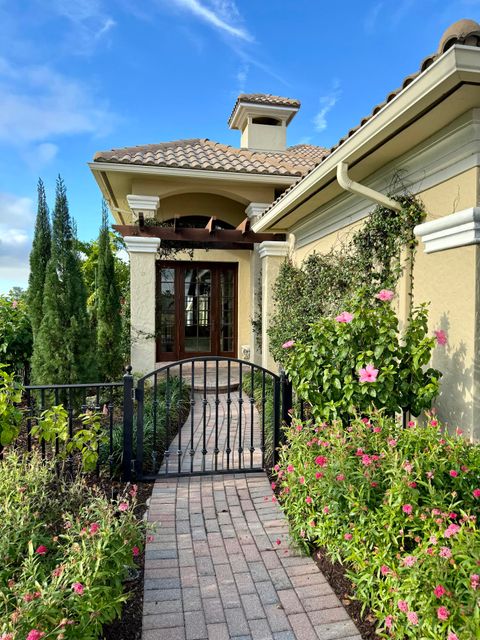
(203, 415)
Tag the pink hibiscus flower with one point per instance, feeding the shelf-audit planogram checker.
(441, 336)
(123, 506)
(344, 317)
(368, 374)
(288, 344)
(385, 295)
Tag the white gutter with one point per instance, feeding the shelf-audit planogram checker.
(355, 187)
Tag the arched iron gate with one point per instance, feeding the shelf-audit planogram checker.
(204, 415)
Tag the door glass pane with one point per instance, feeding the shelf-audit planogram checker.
(226, 310)
(166, 310)
(198, 313)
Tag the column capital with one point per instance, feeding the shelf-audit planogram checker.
(147, 205)
(271, 248)
(255, 209)
(141, 244)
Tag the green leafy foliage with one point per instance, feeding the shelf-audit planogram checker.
(10, 414)
(321, 285)
(399, 507)
(64, 552)
(15, 333)
(324, 364)
(63, 345)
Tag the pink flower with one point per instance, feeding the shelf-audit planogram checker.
(430, 474)
(474, 581)
(369, 374)
(301, 480)
(441, 336)
(288, 344)
(377, 429)
(78, 588)
(385, 295)
(452, 636)
(411, 424)
(385, 570)
(407, 508)
(451, 530)
(136, 551)
(412, 485)
(439, 591)
(94, 528)
(7, 636)
(445, 552)
(42, 550)
(412, 617)
(308, 500)
(392, 442)
(123, 506)
(290, 468)
(133, 491)
(403, 605)
(150, 538)
(35, 635)
(476, 493)
(409, 561)
(408, 466)
(340, 477)
(14, 304)
(278, 542)
(443, 613)
(319, 475)
(321, 461)
(453, 473)
(326, 510)
(348, 536)
(344, 317)
(389, 622)
(366, 460)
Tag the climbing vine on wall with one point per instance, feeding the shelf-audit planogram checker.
(370, 259)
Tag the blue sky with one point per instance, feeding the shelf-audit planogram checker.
(77, 76)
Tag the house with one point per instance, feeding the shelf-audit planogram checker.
(232, 215)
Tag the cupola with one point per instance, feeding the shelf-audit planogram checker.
(263, 120)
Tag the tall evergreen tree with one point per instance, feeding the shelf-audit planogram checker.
(108, 308)
(63, 351)
(39, 257)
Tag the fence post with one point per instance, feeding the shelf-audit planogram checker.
(127, 424)
(286, 398)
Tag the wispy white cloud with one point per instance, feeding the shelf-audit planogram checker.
(371, 18)
(38, 104)
(222, 15)
(16, 223)
(327, 102)
(88, 19)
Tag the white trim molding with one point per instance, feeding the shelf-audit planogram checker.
(272, 248)
(147, 205)
(254, 209)
(455, 230)
(140, 244)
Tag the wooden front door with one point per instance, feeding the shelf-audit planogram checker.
(196, 310)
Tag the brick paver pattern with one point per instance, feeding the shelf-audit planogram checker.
(214, 569)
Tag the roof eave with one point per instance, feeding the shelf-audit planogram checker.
(459, 64)
(235, 120)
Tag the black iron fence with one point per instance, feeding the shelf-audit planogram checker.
(150, 428)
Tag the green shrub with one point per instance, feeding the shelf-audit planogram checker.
(10, 415)
(400, 508)
(64, 552)
(327, 365)
(16, 340)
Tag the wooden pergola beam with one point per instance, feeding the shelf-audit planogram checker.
(244, 226)
(210, 226)
(239, 238)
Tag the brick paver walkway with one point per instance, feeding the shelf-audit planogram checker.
(214, 570)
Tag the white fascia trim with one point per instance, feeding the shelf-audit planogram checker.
(448, 153)
(455, 230)
(140, 244)
(117, 167)
(243, 107)
(458, 62)
(256, 208)
(143, 203)
(273, 248)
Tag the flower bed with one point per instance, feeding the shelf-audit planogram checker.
(64, 553)
(399, 507)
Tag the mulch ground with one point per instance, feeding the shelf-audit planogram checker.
(334, 572)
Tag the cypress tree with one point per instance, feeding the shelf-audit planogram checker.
(63, 350)
(39, 257)
(108, 308)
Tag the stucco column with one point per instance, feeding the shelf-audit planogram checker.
(143, 205)
(142, 253)
(272, 255)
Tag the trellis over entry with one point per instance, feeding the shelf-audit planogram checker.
(194, 238)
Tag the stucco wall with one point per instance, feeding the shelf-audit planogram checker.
(449, 281)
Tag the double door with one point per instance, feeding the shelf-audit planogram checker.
(196, 310)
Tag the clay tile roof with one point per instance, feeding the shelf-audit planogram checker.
(201, 153)
(466, 32)
(265, 99)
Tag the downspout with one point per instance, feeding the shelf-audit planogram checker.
(355, 187)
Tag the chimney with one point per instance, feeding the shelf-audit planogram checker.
(263, 120)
